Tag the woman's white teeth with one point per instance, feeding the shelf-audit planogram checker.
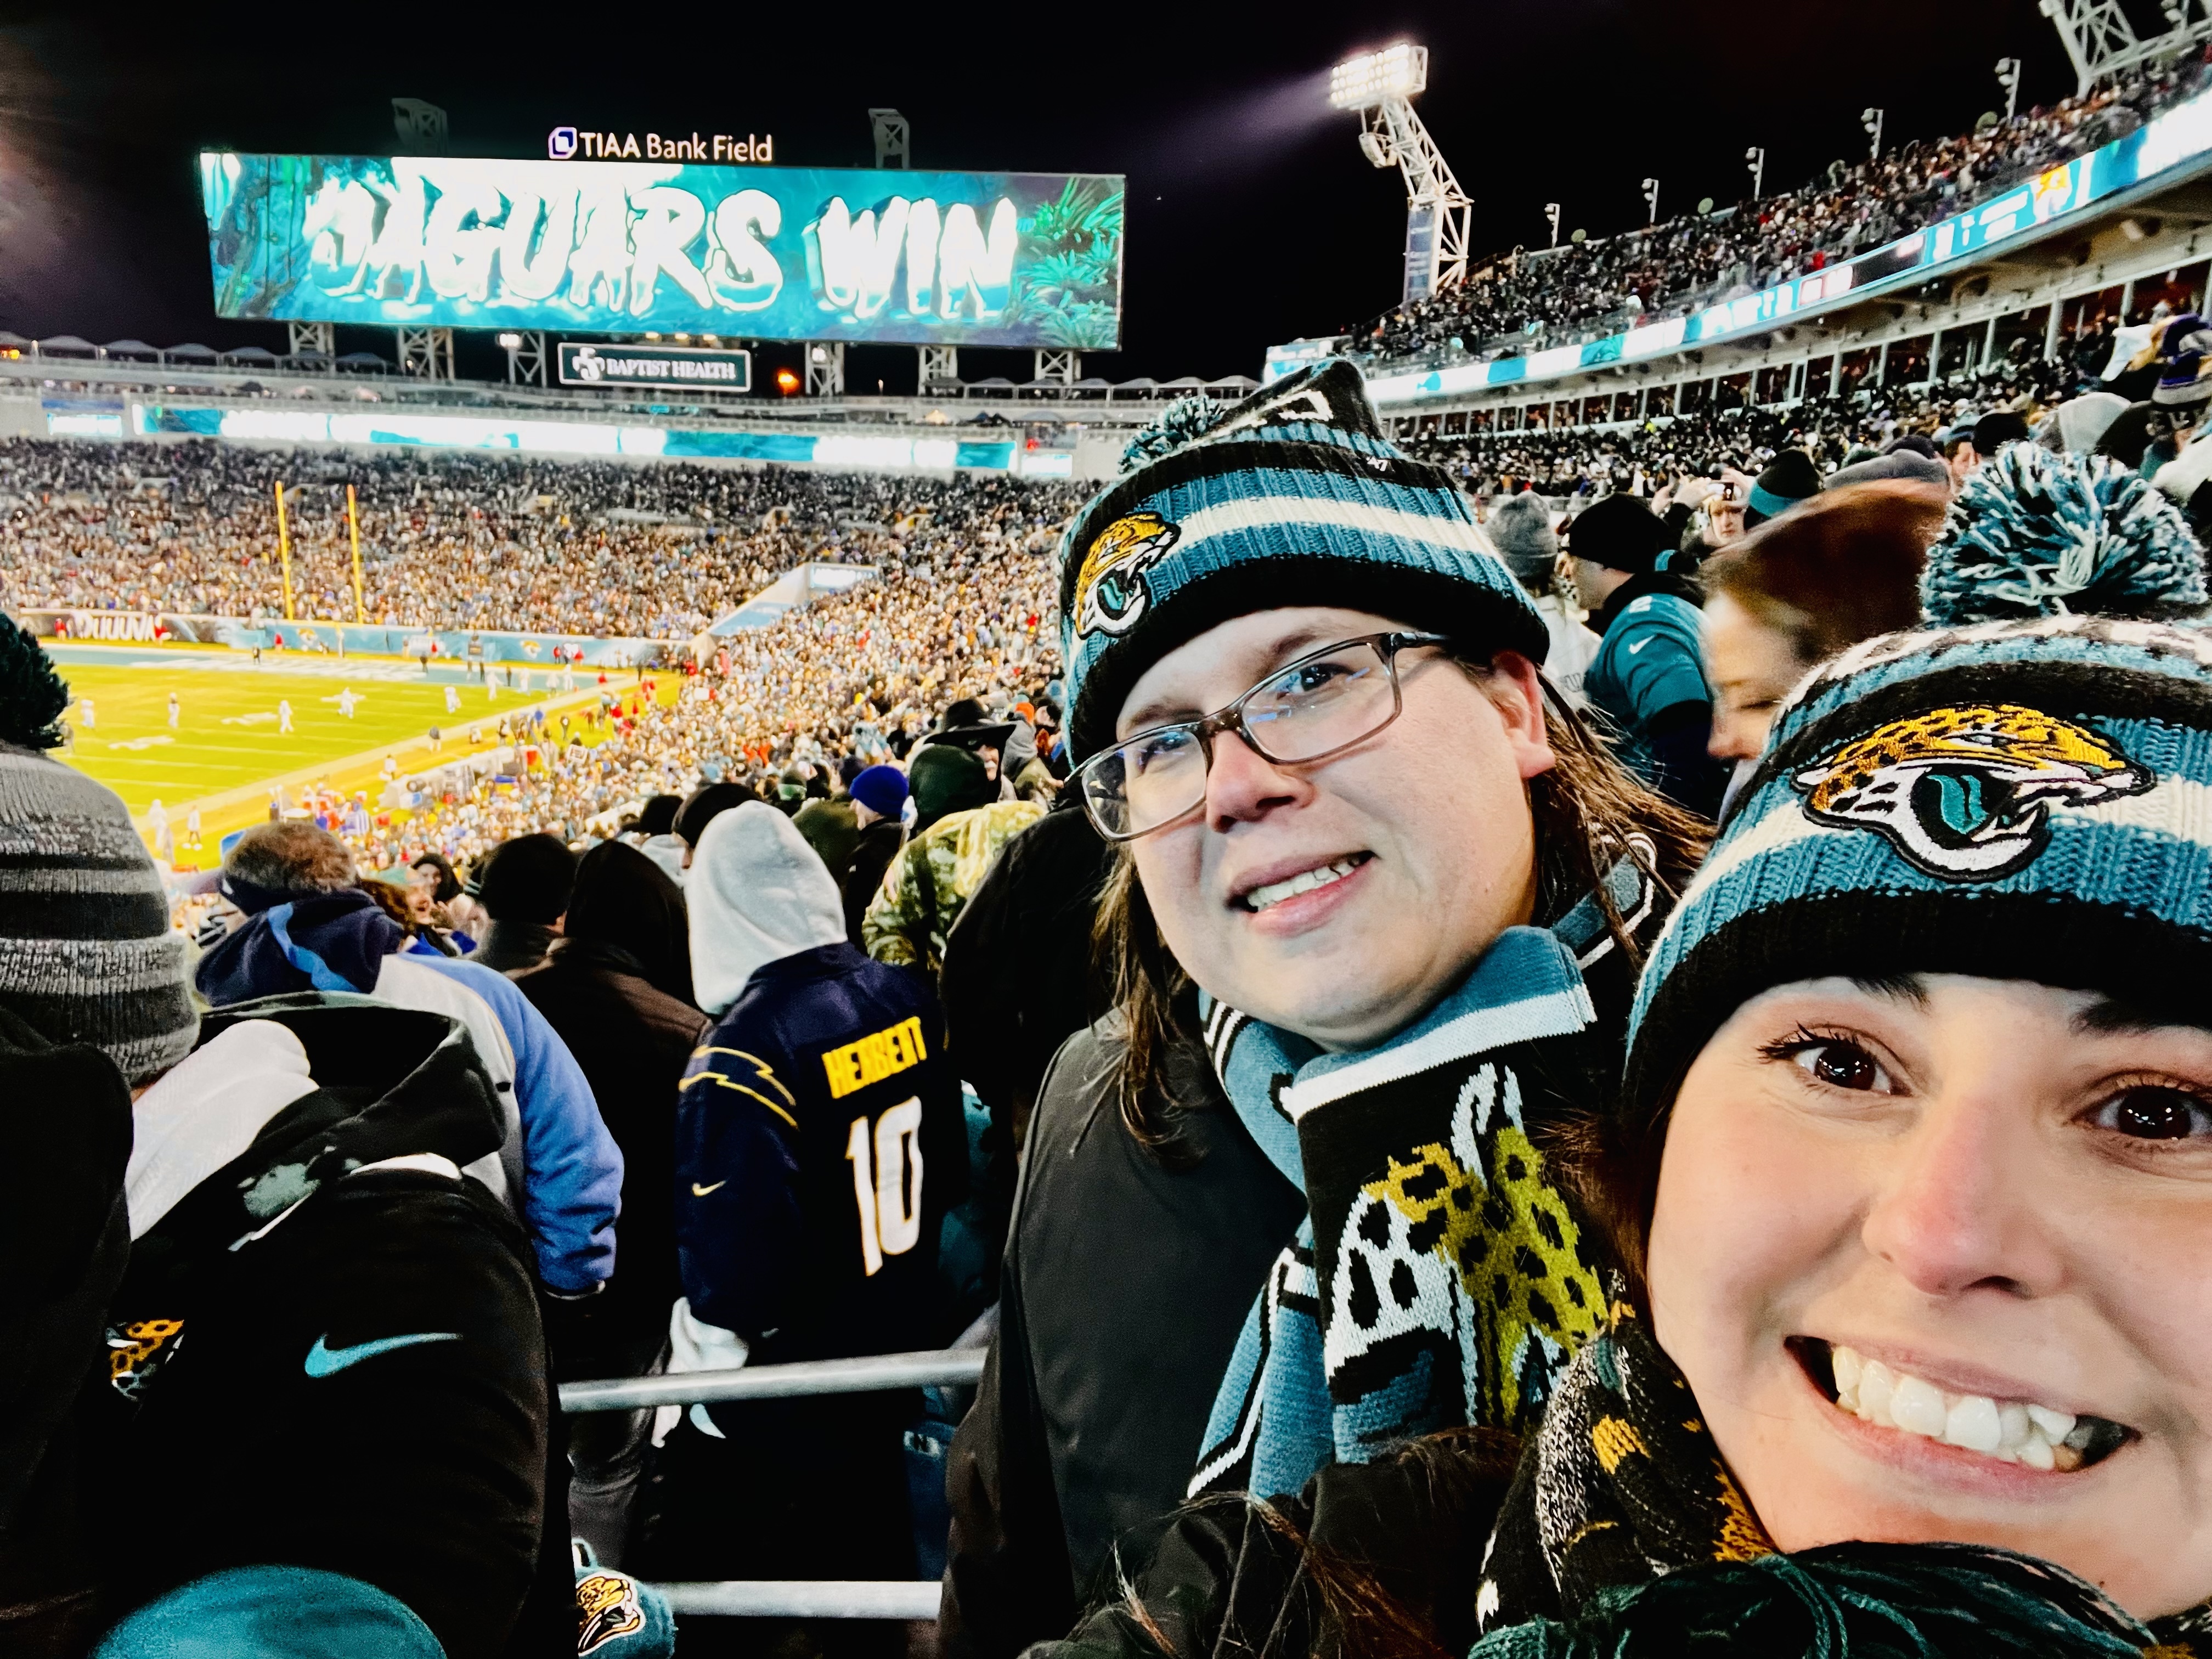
(1276, 892)
(2011, 1429)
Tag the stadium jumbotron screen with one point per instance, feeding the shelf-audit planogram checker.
(624, 247)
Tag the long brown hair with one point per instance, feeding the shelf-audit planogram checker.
(1588, 810)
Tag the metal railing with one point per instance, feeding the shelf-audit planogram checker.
(796, 1598)
(936, 1367)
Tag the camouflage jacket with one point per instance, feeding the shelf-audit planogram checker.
(913, 912)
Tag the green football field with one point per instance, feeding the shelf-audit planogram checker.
(229, 743)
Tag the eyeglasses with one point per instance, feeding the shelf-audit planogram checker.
(1316, 707)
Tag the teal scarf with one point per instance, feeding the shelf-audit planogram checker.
(1439, 1278)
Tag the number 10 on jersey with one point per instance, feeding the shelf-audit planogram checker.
(887, 1182)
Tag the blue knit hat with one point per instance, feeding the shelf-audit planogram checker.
(2019, 791)
(1291, 497)
(881, 789)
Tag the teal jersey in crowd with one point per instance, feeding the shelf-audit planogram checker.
(1649, 662)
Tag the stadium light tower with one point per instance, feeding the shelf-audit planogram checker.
(1871, 119)
(1551, 213)
(1381, 85)
(1754, 160)
(1651, 201)
(2008, 78)
(2098, 37)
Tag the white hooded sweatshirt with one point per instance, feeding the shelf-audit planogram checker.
(757, 893)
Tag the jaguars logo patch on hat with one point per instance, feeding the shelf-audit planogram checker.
(1965, 792)
(606, 1607)
(1110, 594)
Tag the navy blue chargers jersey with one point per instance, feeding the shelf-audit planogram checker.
(819, 1142)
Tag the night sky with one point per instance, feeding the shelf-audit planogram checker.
(1252, 217)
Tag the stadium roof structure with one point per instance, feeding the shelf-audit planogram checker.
(130, 348)
(68, 345)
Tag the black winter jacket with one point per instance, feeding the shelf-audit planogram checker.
(632, 1041)
(863, 870)
(1126, 1281)
(356, 1382)
(1018, 982)
(66, 1236)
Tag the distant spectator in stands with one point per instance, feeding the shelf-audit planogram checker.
(1648, 679)
(310, 927)
(1520, 527)
(831, 827)
(617, 990)
(701, 807)
(880, 796)
(2079, 424)
(946, 779)
(1790, 480)
(433, 892)
(657, 838)
(524, 887)
(908, 922)
(819, 1142)
(1843, 568)
(1019, 982)
(1959, 454)
(1997, 429)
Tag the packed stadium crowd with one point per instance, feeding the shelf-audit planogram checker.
(854, 675)
(602, 549)
(1640, 457)
(1764, 1214)
(1694, 258)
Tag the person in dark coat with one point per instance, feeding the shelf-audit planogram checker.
(524, 889)
(1017, 983)
(617, 989)
(1648, 678)
(879, 795)
(67, 1237)
(1098, 1387)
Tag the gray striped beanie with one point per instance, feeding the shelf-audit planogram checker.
(87, 953)
(1292, 497)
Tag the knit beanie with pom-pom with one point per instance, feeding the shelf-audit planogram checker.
(2021, 789)
(1292, 497)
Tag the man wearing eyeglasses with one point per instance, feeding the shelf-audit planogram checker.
(1377, 896)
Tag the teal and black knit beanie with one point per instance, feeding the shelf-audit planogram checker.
(272, 1612)
(2022, 789)
(1791, 478)
(1292, 497)
(87, 953)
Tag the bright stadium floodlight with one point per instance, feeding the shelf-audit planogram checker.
(1380, 85)
(1375, 77)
